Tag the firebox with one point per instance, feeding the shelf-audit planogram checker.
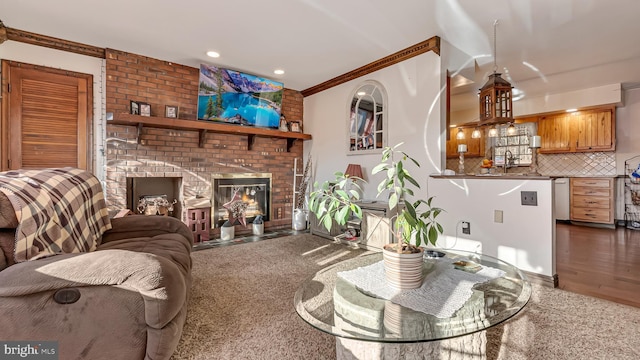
(254, 189)
(155, 195)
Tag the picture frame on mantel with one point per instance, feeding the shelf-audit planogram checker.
(171, 111)
(296, 126)
(145, 109)
(135, 107)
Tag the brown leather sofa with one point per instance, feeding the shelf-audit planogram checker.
(125, 300)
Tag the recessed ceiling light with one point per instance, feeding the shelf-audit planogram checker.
(213, 54)
(278, 71)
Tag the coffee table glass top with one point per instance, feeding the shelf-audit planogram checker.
(335, 306)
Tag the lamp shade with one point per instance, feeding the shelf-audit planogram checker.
(353, 170)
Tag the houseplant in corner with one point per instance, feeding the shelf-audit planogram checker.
(417, 220)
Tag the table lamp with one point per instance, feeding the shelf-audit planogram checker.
(353, 170)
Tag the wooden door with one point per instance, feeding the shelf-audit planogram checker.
(47, 117)
(595, 131)
(554, 133)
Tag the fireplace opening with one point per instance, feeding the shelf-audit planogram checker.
(155, 195)
(254, 189)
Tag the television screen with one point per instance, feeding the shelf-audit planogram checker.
(237, 98)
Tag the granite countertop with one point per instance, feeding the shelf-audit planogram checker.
(493, 176)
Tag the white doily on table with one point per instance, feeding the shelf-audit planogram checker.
(444, 290)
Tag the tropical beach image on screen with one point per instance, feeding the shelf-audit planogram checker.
(238, 98)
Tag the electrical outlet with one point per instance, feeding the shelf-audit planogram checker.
(466, 228)
(529, 198)
(497, 216)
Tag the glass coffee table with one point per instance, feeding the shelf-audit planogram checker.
(370, 327)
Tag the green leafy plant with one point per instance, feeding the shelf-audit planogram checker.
(336, 201)
(410, 218)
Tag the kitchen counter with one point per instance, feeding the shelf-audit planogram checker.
(493, 176)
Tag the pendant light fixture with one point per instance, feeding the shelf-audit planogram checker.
(476, 134)
(511, 130)
(496, 101)
(493, 132)
(460, 134)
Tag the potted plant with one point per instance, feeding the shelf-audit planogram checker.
(337, 201)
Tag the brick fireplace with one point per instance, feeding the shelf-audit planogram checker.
(191, 156)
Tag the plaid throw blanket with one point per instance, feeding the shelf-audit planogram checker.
(59, 211)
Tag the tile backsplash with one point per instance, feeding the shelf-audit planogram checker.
(569, 164)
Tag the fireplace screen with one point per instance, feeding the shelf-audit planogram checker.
(254, 189)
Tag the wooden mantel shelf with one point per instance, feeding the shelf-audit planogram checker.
(206, 126)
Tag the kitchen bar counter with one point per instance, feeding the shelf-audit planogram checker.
(492, 177)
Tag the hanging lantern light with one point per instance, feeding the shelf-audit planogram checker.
(496, 100)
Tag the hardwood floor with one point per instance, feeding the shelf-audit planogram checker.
(603, 263)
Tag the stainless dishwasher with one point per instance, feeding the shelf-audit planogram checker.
(561, 199)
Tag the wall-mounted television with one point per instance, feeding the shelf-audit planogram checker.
(237, 98)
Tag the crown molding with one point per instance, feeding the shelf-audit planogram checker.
(7, 33)
(431, 44)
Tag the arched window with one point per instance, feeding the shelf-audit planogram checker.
(367, 118)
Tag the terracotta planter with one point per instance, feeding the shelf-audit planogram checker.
(403, 271)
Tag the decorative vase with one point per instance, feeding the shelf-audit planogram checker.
(258, 229)
(403, 271)
(299, 221)
(227, 233)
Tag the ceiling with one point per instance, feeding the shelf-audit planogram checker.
(546, 46)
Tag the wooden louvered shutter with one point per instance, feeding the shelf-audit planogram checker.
(48, 118)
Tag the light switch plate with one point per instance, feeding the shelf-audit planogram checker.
(497, 216)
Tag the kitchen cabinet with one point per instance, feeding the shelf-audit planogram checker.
(475, 147)
(592, 200)
(582, 131)
(595, 131)
(554, 133)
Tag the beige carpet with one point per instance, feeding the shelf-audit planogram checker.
(241, 307)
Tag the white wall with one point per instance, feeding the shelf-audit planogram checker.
(37, 55)
(413, 113)
(601, 95)
(628, 129)
(525, 238)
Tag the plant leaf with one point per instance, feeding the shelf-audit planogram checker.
(393, 201)
(378, 168)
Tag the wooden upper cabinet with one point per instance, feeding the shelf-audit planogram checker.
(475, 147)
(554, 133)
(596, 131)
(584, 131)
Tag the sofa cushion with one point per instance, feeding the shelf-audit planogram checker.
(8, 218)
(160, 282)
(7, 241)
